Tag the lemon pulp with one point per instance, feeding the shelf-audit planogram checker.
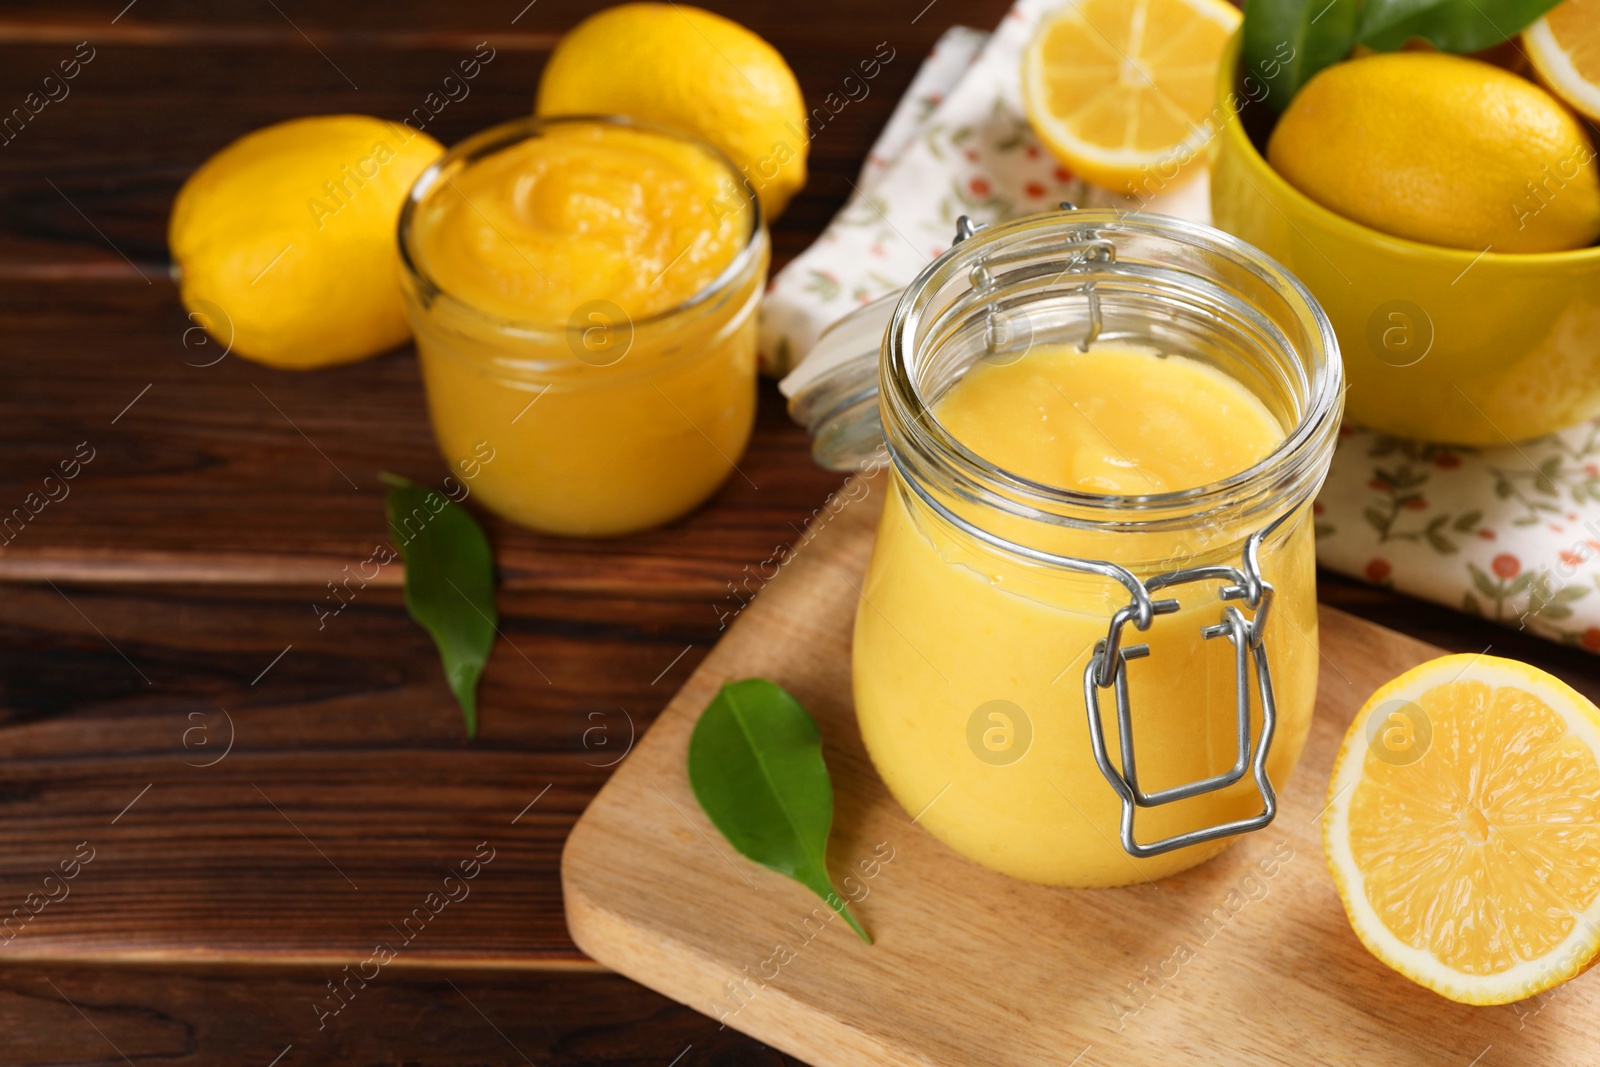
(1492, 801)
(1564, 48)
(1463, 825)
(1121, 92)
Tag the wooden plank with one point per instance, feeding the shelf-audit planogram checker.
(972, 967)
(239, 473)
(160, 96)
(203, 480)
(348, 792)
(1454, 631)
(824, 20)
(205, 1016)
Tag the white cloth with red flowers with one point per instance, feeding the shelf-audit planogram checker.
(1511, 534)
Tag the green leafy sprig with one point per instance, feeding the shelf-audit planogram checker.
(755, 765)
(449, 583)
(1318, 33)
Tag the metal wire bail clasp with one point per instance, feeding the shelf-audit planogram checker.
(1108, 669)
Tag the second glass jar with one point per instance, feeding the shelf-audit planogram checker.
(601, 422)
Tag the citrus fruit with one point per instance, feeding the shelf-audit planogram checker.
(1119, 90)
(683, 67)
(1463, 828)
(1564, 48)
(1444, 150)
(285, 239)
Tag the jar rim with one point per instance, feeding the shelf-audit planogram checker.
(508, 134)
(909, 416)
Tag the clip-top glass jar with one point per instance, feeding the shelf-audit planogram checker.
(1017, 644)
(577, 396)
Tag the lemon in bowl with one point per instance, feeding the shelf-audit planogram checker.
(1463, 345)
(284, 241)
(1443, 150)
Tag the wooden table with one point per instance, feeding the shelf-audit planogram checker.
(165, 607)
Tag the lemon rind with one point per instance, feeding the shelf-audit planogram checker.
(1525, 979)
(1555, 67)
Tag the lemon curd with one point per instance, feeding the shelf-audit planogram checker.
(583, 293)
(969, 662)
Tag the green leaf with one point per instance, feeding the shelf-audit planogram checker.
(1285, 42)
(1453, 25)
(1468, 521)
(755, 764)
(1485, 586)
(449, 583)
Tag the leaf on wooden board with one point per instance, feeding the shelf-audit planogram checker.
(756, 767)
(449, 583)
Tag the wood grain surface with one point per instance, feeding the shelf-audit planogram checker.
(193, 546)
(1246, 959)
(232, 1017)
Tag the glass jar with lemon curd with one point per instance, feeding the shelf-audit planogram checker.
(583, 293)
(1086, 647)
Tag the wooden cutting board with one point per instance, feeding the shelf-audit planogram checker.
(1246, 959)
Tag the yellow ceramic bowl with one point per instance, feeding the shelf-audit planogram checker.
(1438, 344)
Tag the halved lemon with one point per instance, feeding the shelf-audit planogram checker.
(1463, 828)
(1564, 48)
(1121, 90)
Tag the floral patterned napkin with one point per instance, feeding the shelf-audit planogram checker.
(1511, 534)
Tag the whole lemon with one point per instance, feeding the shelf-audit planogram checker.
(1442, 149)
(285, 240)
(686, 68)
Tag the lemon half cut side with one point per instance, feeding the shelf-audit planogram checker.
(1564, 48)
(1463, 828)
(1122, 91)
